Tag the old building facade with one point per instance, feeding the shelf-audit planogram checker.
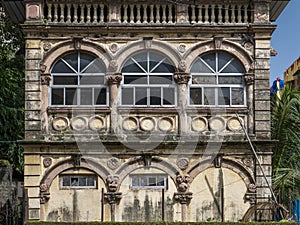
(133, 109)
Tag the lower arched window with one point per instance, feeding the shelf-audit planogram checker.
(217, 80)
(78, 79)
(148, 81)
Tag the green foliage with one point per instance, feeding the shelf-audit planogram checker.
(285, 127)
(11, 91)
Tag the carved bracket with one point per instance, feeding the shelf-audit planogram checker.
(251, 194)
(183, 183)
(44, 193)
(249, 79)
(112, 183)
(45, 79)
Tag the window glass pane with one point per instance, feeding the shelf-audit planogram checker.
(154, 59)
(210, 59)
(144, 181)
(127, 96)
(223, 58)
(135, 79)
(224, 96)
(86, 96)
(82, 181)
(155, 96)
(237, 95)
(90, 181)
(200, 67)
(135, 181)
(74, 181)
(152, 181)
(72, 60)
(234, 67)
(100, 96)
(209, 96)
(160, 181)
(71, 96)
(211, 79)
(61, 67)
(90, 80)
(132, 67)
(95, 67)
(195, 96)
(57, 96)
(230, 80)
(141, 96)
(142, 60)
(65, 80)
(66, 182)
(85, 59)
(169, 96)
(156, 79)
(164, 67)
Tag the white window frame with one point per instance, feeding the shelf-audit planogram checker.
(148, 86)
(61, 177)
(147, 177)
(77, 73)
(217, 73)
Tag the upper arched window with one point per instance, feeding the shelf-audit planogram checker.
(217, 80)
(78, 79)
(148, 80)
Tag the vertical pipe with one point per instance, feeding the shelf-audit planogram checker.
(222, 203)
(163, 204)
(102, 204)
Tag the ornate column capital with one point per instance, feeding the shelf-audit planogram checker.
(113, 78)
(183, 198)
(113, 197)
(45, 79)
(181, 77)
(249, 79)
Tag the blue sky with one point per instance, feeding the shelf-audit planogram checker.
(286, 39)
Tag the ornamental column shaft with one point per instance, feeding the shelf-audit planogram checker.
(113, 80)
(182, 79)
(249, 81)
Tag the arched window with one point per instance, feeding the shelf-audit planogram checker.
(148, 80)
(217, 80)
(78, 79)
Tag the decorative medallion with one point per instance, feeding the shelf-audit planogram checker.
(46, 46)
(114, 47)
(147, 124)
(181, 47)
(60, 123)
(43, 187)
(233, 124)
(113, 65)
(182, 163)
(113, 163)
(199, 124)
(130, 124)
(96, 123)
(47, 162)
(217, 123)
(248, 161)
(78, 123)
(165, 124)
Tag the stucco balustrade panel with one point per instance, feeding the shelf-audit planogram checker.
(70, 205)
(207, 198)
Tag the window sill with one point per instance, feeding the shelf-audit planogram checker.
(72, 109)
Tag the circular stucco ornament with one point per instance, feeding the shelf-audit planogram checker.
(182, 163)
(78, 123)
(113, 163)
(181, 48)
(60, 123)
(96, 123)
(47, 162)
(217, 123)
(199, 124)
